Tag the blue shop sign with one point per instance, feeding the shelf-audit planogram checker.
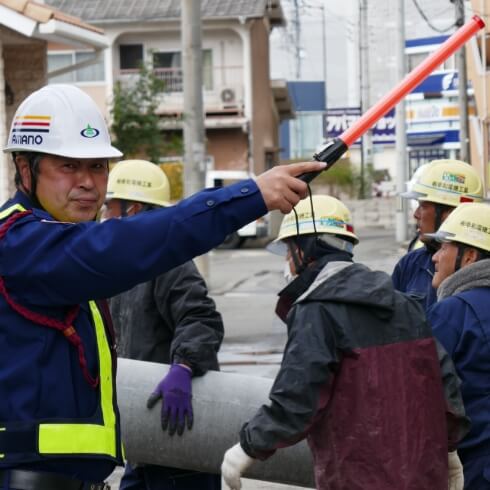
(338, 120)
(437, 83)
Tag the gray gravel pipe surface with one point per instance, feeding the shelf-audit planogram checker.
(222, 402)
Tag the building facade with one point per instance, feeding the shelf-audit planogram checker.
(242, 107)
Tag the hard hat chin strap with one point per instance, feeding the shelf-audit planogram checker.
(459, 257)
(440, 210)
(33, 160)
(300, 260)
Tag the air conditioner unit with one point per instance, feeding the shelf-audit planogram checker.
(228, 96)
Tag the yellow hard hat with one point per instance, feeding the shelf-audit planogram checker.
(448, 182)
(332, 217)
(468, 224)
(138, 180)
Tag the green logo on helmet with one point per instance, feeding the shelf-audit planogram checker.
(89, 132)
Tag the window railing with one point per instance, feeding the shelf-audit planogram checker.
(171, 77)
(215, 79)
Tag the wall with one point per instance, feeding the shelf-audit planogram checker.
(229, 148)
(98, 93)
(25, 71)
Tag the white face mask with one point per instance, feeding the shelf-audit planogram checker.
(102, 219)
(288, 275)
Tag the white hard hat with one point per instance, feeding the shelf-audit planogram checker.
(60, 120)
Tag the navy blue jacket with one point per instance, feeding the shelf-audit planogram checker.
(462, 325)
(413, 274)
(50, 266)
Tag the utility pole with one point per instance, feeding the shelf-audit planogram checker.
(324, 45)
(297, 36)
(401, 223)
(462, 88)
(366, 141)
(193, 120)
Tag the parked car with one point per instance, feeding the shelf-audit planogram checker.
(256, 229)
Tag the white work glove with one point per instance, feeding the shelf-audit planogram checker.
(235, 462)
(455, 472)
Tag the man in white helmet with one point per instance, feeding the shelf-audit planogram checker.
(360, 376)
(438, 187)
(59, 423)
(461, 321)
(170, 319)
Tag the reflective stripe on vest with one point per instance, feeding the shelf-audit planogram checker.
(16, 207)
(87, 438)
(66, 438)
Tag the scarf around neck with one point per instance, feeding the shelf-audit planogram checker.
(475, 275)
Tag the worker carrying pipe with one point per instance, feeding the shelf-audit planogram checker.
(361, 374)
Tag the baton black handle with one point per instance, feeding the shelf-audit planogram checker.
(330, 154)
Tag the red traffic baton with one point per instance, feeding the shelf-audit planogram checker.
(338, 146)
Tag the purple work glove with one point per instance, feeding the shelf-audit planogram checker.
(175, 390)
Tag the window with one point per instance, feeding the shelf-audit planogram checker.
(57, 61)
(168, 65)
(207, 69)
(415, 59)
(306, 130)
(130, 56)
(90, 73)
(167, 60)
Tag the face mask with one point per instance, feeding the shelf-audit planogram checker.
(288, 276)
(101, 220)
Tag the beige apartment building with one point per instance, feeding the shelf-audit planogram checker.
(243, 107)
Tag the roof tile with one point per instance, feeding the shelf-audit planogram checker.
(43, 13)
(100, 11)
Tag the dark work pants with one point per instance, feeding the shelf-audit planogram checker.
(477, 473)
(151, 477)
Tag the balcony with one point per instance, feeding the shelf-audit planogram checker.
(223, 89)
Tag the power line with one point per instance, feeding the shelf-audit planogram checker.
(429, 23)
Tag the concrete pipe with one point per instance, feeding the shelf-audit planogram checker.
(222, 402)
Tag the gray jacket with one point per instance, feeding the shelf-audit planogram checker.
(169, 319)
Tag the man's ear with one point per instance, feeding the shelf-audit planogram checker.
(136, 208)
(22, 165)
(470, 256)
